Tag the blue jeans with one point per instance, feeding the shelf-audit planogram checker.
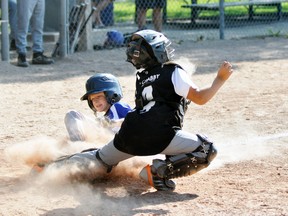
(30, 12)
(12, 5)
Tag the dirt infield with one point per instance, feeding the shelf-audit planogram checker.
(247, 120)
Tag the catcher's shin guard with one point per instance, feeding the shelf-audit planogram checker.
(161, 184)
(186, 164)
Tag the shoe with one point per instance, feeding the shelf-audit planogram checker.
(13, 45)
(160, 184)
(22, 62)
(39, 58)
(39, 167)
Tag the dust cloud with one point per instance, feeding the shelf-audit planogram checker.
(87, 186)
(249, 147)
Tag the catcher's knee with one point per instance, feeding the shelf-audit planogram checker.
(187, 163)
(159, 174)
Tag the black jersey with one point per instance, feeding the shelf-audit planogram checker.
(148, 129)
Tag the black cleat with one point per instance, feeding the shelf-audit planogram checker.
(39, 58)
(22, 62)
(160, 184)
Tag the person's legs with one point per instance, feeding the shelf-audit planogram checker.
(183, 142)
(141, 18)
(13, 18)
(83, 128)
(112, 156)
(157, 19)
(91, 163)
(74, 124)
(101, 5)
(24, 12)
(80, 166)
(186, 154)
(37, 24)
(141, 12)
(158, 6)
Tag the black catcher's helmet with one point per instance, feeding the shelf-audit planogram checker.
(148, 48)
(103, 82)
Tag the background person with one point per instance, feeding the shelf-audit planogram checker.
(142, 7)
(12, 11)
(96, 18)
(31, 13)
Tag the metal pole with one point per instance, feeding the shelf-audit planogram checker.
(4, 29)
(63, 29)
(221, 19)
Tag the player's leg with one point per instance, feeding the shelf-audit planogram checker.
(74, 124)
(186, 154)
(37, 24)
(141, 6)
(92, 162)
(78, 125)
(157, 19)
(24, 12)
(13, 20)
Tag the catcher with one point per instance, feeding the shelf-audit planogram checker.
(103, 94)
(163, 90)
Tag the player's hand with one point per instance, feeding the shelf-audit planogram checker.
(225, 71)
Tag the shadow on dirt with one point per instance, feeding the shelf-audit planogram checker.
(128, 205)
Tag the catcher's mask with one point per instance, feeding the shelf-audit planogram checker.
(148, 48)
(103, 82)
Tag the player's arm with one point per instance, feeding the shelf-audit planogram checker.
(202, 96)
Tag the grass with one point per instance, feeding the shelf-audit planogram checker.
(125, 10)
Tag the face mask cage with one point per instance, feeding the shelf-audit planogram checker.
(169, 50)
(137, 54)
(133, 52)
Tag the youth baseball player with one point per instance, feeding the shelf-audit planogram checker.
(103, 94)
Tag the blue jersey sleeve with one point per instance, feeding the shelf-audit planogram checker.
(118, 110)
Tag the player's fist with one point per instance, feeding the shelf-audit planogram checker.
(225, 70)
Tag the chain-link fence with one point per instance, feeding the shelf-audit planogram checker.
(179, 20)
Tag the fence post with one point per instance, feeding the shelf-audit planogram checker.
(63, 30)
(4, 30)
(221, 19)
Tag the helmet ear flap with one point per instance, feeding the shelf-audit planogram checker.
(112, 97)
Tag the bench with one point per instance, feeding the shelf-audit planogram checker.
(196, 8)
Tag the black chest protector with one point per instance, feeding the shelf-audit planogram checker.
(159, 112)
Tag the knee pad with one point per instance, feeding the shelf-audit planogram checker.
(186, 164)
